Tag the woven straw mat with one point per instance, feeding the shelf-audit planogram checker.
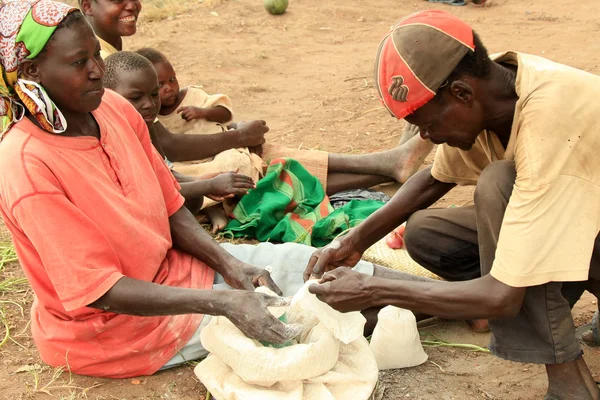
(399, 260)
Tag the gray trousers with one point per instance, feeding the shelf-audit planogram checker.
(459, 244)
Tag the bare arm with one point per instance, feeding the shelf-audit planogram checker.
(218, 114)
(482, 298)
(155, 141)
(419, 192)
(135, 297)
(182, 147)
(195, 189)
(189, 237)
(247, 310)
(222, 186)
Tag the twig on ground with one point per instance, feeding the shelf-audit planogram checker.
(437, 365)
(355, 78)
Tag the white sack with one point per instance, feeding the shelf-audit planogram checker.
(255, 363)
(346, 327)
(354, 377)
(320, 367)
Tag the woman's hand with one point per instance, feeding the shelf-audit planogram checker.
(248, 311)
(340, 253)
(246, 277)
(345, 290)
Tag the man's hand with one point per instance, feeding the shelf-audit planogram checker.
(339, 253)
(252, 132)
(246, 277)
(191, 112)
(345, 290)
(229, 184)
(248, 311)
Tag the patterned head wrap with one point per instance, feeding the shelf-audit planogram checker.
(25, 28)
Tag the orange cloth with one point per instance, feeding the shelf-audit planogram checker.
(84, 213)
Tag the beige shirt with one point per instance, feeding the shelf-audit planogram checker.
(198, 98)
(106, 49)
(553, 215)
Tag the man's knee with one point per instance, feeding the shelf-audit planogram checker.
(496, 181)
(415, 235)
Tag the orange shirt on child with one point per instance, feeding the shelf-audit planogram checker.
(83, 213)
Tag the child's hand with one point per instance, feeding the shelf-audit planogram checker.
(253, 132)
(228, 185)
(190, 112)
(258, 150)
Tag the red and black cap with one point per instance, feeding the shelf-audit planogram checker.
(417, 56)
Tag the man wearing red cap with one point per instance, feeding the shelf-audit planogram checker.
(524, 130)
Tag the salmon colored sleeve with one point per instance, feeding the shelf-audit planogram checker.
(169, 185)
(75, 254)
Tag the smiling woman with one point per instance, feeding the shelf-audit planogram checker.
(111, 20)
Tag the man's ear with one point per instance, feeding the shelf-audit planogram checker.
(30, 70)
(86, 7)
(462, 90)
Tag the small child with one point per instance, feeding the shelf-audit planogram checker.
(192, 111)
(208, 113)
(134, 78)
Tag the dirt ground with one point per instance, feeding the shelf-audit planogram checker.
(309, 74)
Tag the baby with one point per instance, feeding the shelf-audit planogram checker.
(134, 77)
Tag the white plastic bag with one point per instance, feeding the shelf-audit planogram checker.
(396, 342)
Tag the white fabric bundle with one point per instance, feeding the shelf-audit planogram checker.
(395, 341)
(320, 366)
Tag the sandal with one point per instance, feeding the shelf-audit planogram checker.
(594, 328)
(481, 3)
(450, 2)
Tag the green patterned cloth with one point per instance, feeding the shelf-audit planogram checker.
(290, 205)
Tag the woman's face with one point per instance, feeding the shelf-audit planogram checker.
(70, 69)
(113, 17)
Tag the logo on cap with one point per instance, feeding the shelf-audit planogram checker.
(398, 90)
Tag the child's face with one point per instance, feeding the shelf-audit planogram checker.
(140, 88)
(113, 17)
(167, 80)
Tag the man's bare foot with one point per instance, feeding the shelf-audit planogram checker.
(479, 325)
(217, 216)
(409, 132)
(571, 381)
(410, 154)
